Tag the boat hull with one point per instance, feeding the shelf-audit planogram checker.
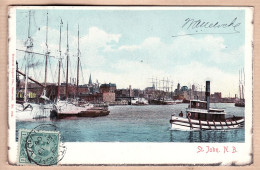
(80, 112)
(239, 104)
(161, 102)
(186, 124)
(94, 113)
(29, 111)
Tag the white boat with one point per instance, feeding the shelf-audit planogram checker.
(69, 107)
(29, 111)
(178, 101)
(169, 102)
(199, 116)
(32, 111)
(64, 109)
(139, 101)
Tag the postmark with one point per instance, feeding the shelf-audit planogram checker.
(40, 146)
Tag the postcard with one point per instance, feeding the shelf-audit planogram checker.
(136, 85)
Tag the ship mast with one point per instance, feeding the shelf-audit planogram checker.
(239, 86)
(78, 66)
(242, 83)
(46, 58)
(58, 93)
(29, 46)
(67, 76)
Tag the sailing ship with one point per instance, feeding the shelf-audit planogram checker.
(162, 95)
(26, 109)
(241, 101)
(46, 108)
(72, 107)
(199, 116)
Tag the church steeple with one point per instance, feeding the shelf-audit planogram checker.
(90, 80)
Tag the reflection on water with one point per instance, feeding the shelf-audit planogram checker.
(137, 124)
(235, 135)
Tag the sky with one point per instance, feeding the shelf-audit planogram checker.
(134, 46)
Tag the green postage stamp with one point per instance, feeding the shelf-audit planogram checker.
(38, 147)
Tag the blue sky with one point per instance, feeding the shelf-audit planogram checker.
(131, 46)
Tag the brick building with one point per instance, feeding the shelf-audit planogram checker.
(108, 97)
(107, 88)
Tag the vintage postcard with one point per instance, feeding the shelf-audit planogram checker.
(99, 85)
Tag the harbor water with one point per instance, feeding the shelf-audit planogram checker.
(149, 123)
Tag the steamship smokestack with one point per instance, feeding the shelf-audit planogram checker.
(207, 93)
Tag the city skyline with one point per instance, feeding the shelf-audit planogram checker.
(128, 47)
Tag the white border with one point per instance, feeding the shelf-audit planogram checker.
(149, 153)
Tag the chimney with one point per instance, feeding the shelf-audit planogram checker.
(130, 91)
(207, 93)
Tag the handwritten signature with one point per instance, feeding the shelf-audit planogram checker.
(195, 25)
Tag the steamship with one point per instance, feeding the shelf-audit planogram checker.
(199, 116)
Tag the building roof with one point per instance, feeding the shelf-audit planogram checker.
(108, 85)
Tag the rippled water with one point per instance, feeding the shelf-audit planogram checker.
(138, 124)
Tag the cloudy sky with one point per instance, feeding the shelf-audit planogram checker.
(129, 46)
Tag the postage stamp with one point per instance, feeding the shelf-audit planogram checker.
(38, 147)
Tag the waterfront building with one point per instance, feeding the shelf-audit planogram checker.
(215, 97)
(138, 93)
(149, 93)
(108, 92)
(108, 97)
(124, 93)
(185, 93)
(111, 87)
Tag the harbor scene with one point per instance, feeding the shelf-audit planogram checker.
(97, 82)
(138, 124)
